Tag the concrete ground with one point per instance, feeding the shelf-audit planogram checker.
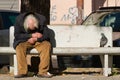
(63, 77)
(69, 74)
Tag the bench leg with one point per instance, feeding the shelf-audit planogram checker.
(106, 70)
(11, 64)
(54, 61)
(15, 65)
(106, 61)
(110, 62)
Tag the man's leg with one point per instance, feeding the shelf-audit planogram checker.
(44, 49)
(21, 57)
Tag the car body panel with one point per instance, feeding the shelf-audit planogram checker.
(7, 18)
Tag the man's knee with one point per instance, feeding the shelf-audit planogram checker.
(47, 43)
(43, 44)
(21, 46)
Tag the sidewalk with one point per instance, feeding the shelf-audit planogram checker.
(63, 77)
(70, 75)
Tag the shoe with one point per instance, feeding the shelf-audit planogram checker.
(20, 76)
(47, 75)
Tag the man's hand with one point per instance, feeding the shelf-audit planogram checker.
(37, 35)
(32, 40)
(34, 37)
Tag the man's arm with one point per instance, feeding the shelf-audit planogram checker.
(20, 32)
(45, 35)
(34, 38)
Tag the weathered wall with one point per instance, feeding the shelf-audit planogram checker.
(92, 5)
(63, 12)
(10, 5)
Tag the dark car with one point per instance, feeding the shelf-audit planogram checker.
(106, 16)
(7, 19)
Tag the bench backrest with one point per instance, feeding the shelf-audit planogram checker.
(75, 35)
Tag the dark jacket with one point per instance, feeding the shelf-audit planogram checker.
(21, 35)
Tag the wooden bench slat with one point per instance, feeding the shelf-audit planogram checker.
(71, 51)
(86, 50)
(7, 50)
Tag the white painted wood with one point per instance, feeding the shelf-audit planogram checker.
(15, 65)
(11, 36)
(79, 36)
(9, 5)
(105, 72)
(70, 51)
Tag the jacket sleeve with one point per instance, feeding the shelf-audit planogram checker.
(45, 36)
(19, 32)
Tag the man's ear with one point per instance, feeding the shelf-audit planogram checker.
(36, 25)
(27, 25)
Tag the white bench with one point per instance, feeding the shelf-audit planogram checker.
(73, 40)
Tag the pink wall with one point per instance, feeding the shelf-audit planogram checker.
(92, 5)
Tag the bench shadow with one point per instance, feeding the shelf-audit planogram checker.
(35, 60)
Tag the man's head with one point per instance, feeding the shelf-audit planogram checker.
(30, 22)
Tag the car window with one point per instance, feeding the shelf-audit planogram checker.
(108, 20)
(113, 20)
(94, 18)
(104, 19)
(8, 19)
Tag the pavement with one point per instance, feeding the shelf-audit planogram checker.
(69, 74)
(63, 77)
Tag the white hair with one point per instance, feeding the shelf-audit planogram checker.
(26, 21)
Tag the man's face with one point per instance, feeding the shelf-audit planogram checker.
(31, 24)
